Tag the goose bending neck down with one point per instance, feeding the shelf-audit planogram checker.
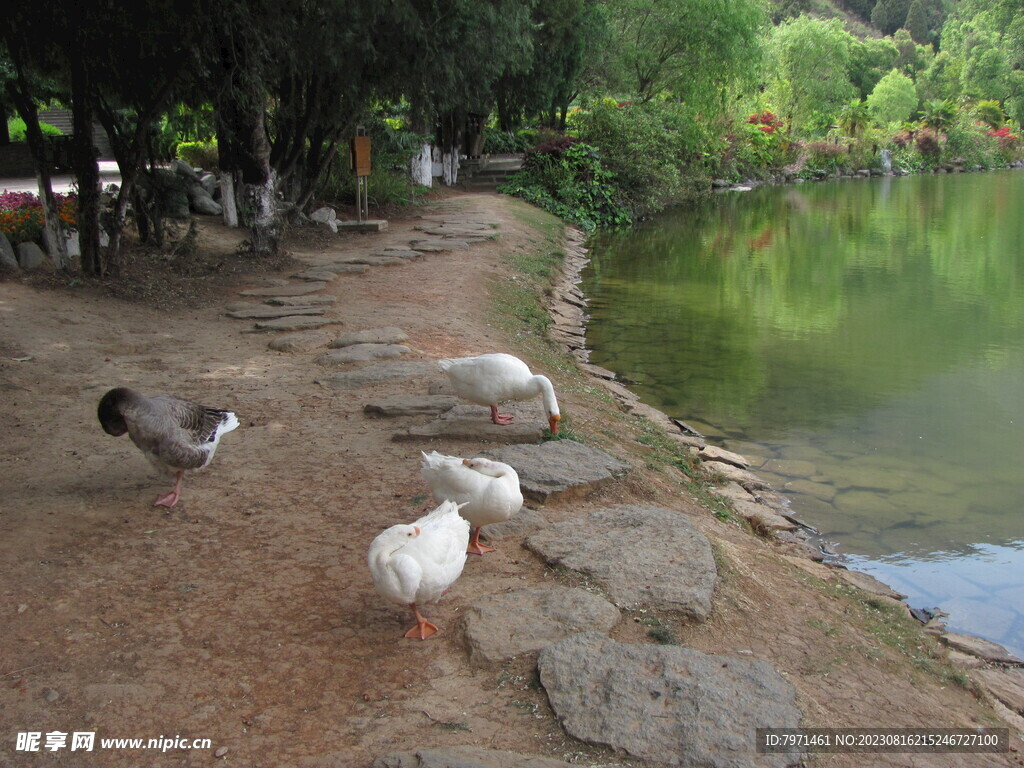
(494, 378)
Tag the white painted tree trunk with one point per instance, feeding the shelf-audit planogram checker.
(227, 198)
(450, 168)
(421, 167)
(266, 223)
(54, 240)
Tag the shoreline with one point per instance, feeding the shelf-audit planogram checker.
(748, 496)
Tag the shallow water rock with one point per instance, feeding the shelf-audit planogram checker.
(668, 704)
(640, 556)
(498, 627)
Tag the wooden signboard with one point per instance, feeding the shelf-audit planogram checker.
(361, 155)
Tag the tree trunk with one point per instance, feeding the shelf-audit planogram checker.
(87, 171)
(421, 166)
(53, 231)
(227, 198)
(265, 220)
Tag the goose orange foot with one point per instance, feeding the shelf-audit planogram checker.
(504, 419)
(423, 628)
(475, 547)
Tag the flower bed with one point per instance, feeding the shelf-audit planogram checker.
(21, 215)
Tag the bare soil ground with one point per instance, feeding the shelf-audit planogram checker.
(246, 615)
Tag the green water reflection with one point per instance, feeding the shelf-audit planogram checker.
(860, 341)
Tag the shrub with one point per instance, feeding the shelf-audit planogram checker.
(824, 157)
(198, 154)
(21, 215)
(566, 177)
(16, 129)
(928, 143)
(498, 142)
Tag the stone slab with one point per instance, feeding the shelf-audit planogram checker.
(868, 583)
(562, 469)
(361, 353)
(338, 269)
(300, 341)
(299, 289)
(302, 301)
(264, 312)
(748, 480)
(713, 453)
(1007, 685)
(522, 523)
(314, 275)
(373, 261)
(294, 323)
(376, 372)
(390, 407)
(759, 514)
(668, 704)
(388, 335)
(639, 555)
(502, 626)
(980, 647)
(462, 429)
(465, 757)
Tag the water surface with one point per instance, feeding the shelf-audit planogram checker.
(861, 343)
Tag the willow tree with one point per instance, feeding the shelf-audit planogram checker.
(694, 49)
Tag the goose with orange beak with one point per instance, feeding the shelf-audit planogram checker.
(495, 378)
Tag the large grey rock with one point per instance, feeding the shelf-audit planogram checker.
(182, 168)
(361, 353)
(406, 405)
(264, 312)
(8, 260)
(383, 371)
(522, 523)
(498, 627)
(31, 256)
(560, 468)
(668, 704)
(639, 555)
(297, 289)
(300, 341)
(388, 335)
(465, 757)
(323, 215)
(294, 323)
(202, 201)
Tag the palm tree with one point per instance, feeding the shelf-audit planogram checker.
(938, 114)
(854, 118)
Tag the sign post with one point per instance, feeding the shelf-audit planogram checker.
(361, 167)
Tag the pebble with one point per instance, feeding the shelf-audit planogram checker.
(221, 751)
(50, 695)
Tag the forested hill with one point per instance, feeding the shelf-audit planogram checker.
(923, 19)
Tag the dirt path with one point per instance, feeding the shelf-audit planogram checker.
(246, 615)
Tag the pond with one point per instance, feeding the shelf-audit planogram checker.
(862, 343)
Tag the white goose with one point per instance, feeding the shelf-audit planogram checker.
(414, 564)
(487, 491)
(493, 378)
(174, 434)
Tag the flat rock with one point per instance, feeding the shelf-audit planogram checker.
(402, 253)
(560, 469)
(373, 261)
(315, 274)
(338, 269)
(712, 453)
(868, 583)
(733, 491)
(369, 374)
(298, 289)
(668, 704)
(389, 335)
(640, 555)
(361, 353)
(465, 757)
(759, 514)
(791, 467)
(980, 647)
(406, 405)
(301, 341)
(463, 429)
(1007, 685)
(294, 323)
(265, 312)
(522, 523)
(498, 627)
(748, 480)
(302, 301)
(438, 245)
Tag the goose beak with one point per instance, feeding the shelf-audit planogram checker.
(417, 529)
(553, 422)
(466, 462)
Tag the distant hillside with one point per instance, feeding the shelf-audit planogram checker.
(873, 18)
